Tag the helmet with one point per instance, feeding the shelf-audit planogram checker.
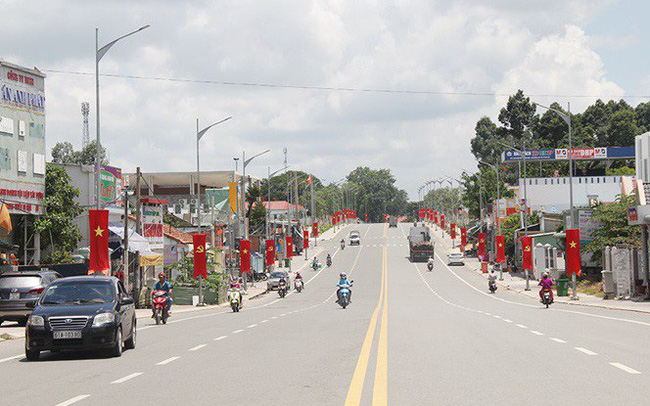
(342, 275)
(545, 275)
(161, 275)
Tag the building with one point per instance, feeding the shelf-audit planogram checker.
(278, 210)
(22, 151)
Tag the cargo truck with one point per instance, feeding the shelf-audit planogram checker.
(420, 244)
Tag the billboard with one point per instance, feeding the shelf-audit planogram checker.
(560, 154)
(152, 225)
(110, 184)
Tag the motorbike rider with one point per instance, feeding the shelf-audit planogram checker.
(430, 262)
(343, 282)
(545, 282)
(329, 260)
(162, 284)
(492, 278)
(298, 278)
(282, 284)
(314, 263)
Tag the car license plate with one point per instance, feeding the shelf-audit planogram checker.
(67, 334)
(14, 295)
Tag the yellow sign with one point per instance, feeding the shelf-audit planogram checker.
(232, 196)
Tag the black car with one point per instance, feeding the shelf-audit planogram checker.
(17, 289)
(82, 313)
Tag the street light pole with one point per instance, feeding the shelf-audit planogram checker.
(199, 135)
(99, 54)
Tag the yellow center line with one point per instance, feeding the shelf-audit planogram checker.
(358, 378)
(380, 390)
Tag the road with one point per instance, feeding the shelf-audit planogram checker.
(410, 337)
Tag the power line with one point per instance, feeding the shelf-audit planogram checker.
(330, 88)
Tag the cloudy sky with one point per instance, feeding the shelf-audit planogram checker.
(431, 53)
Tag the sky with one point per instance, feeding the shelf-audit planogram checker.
(445, 64)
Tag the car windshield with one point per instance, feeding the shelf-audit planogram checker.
(20, 281)
(277, 275)
(78, 293)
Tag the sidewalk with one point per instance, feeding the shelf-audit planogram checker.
(517, 283)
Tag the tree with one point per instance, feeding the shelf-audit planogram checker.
(471, 186)
(614, 229)
(485, 146)
(518, 117)
(279, 189)
(64, 153)
(59, 235)
(622, 128)
(376, 193)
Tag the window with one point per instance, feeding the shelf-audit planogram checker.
(22, 161)
(37, 130)
(5, 159)
(22, 128)
(39, 164)
(6, 126)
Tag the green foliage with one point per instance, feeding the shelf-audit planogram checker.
(622, 171)
(446, 198)
(185, 268)
(486, 178)
(279, 190)
(59, 236)
(64, 153)
(615, 229)
(257, 219)
(174, 221)
(376, 193)
(510, 225)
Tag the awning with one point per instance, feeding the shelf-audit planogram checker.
(151, 259)
(136, 241)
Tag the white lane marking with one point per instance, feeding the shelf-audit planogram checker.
(168, 360)
(585, 351)
(252, 325)
(198, 347)
(507, 321)
(220, 338)
(72, 400)
(126, 378)
(520, 326)
(488, 314)
(237, 331)
(558, 340)
(624, 368)
(283, 314)
(145, 328)
(264, 321)
(537, 333)
(10, 358)
(274, 317)
(497, 317)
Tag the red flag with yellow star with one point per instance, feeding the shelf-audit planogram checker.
(452, 231)
(305, 239)
(481, 244)
(98, 221)
(442, 221)
(527, 247)
(573, 264)
(463, 237)
(245, 256)
(499, 240)
(200, 262)
(270, 252)
(289, 247)
(314, 228)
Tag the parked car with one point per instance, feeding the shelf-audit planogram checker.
(274, 279)
(82, 313)
(455, 258)
(17, 289)
(355, 237)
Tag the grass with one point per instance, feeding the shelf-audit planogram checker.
(591, 287)
(6, 337)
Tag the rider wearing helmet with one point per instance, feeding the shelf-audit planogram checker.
(343, 282)
(162, 284)
(545, 282)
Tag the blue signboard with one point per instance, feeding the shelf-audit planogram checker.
(562, 154)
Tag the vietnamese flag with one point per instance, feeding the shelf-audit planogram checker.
(481, 244)
(499, 240)
(245, 256)
(452, 230)
(573, 264)
(421, 214)
(200, 266)
(333, 219)
(314, 230)
(435, 217)
(305, 239)
(98, 222)
(289, 247)
(527, 257)
(463, 236)
(270, 252)
(442, 221)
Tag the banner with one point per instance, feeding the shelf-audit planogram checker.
(98, 222)
(5, 218)
(421, 214)
(245, 256)
(463, 237)
(435, 217)
(527, 256)
(481, 244)
(305, 239)
(442, 221)
(573, 252)
(452, 231)
(499, 240)
(110, 184)
(232, 196)
(200, 265)
(314, 229)
(333, 219)
(152, 225)
(270, 252)
(289, 241)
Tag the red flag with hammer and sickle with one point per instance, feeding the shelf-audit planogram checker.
(270, 252)
(527, 247)
(200, 265)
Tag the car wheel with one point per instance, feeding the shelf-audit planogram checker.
(130, 343)
(32, 355)
(116, 351)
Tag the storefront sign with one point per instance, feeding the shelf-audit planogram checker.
(152, 225)
(560, 154)
(26, 199)
(110, 184)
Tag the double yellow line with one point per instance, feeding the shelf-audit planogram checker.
(380, 389)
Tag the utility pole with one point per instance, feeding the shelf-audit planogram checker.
(125, 242)
(313, 215)
(137, 284)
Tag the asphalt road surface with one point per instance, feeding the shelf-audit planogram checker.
(409, 337)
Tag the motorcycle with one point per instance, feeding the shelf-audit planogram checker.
(344, 295)
(235, 299)
(493, 286)
(329, 262)
(159, 305)
(316, 266)
(547, 299)
(430, 266)
(300, 285)
(342, 245)
(282, 290)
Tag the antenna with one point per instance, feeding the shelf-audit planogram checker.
(85, 132)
